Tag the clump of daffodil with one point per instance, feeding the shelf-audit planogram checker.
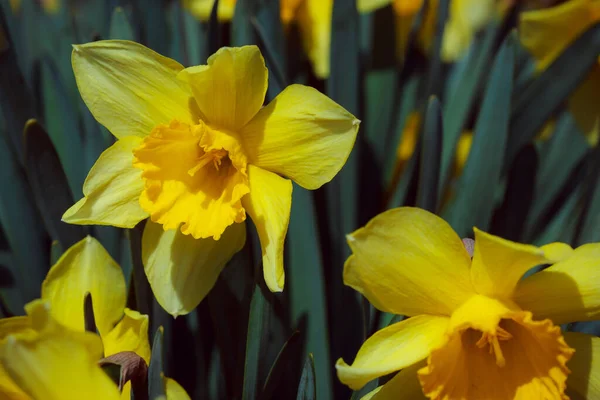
(41, 359)
(546, 33)
(476, 329)
(196, 151)
(312, 16)
(86, 267)
(465, 19)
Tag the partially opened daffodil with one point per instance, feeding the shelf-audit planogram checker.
(476, 329)
(41, 359)
(196, 151)
(85, 268)
(46, 360)
(312, 16)
(546, 33)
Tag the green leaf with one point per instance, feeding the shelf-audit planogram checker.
(474, 198)
(49, 185)
(305, 275)
(24, 231)
(119, 26)
(590, 219)
(15, 99)
(557, 159)
(533, 106)
(430, 159)
(60, 120)
(307, 389)
(56, 250)
(214, 40)
(156, 383)
(283, 363)
(143, 292)
(89, 320)
(258, 328)
(434, 75)
(462, 94)
(113, 371)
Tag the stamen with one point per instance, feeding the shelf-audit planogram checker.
(493, 340)
(213, 156)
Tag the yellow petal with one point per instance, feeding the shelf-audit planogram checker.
(567, 291)
(466, 18)
(111, 189)
(189, 184)
(408, 261)
(301, 134)
(547, 32)
(18, 327)
(56, 362)
(522, 359)
(408, 7)
(288, 10)
(404, 386)
(314, 19)
(201, 9)
(129, 88)
(130, 334)
(498, 264)
(15, 326)
(584, 380)
(56, 367)
(366, 6)
(174, 390)
(86, 267)
(581, 106)
(231, 89)
(393, 348)
(182, 270)
(269, 204)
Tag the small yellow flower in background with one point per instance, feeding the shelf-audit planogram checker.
(476, 329)
(546, 33)
(313, 18)
(201, 9)
(465, 19)
(196, 151)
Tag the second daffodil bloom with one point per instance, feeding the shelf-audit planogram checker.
(196, 151)
(476, 329)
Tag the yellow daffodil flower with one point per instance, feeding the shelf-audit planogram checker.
(49, 6)
(465, 19)
(546, 33)
(42, 359)
(86, 267)
(313, 18)
(196, 150)
(45, 360)
(476, 329)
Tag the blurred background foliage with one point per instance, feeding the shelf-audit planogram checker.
(462, 123)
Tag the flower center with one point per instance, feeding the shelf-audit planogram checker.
(493, 341)
(194, 178)
(494, 350)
